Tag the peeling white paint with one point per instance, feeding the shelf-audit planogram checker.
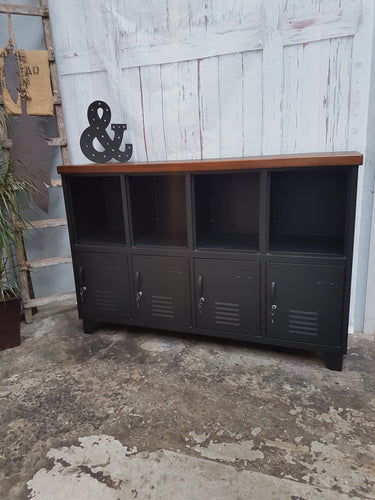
(101, 467)
(199, 438)
(230, 452)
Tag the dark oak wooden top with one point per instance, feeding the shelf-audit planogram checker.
(248, 163)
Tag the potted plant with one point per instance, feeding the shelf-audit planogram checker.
(13, 194)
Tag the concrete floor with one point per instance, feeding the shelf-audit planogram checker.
(125, 414)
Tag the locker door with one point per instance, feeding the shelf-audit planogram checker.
(227, 295)
(305, 303)
(162, 290)
(102, 281)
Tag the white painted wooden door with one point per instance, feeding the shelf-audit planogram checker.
(223, 78)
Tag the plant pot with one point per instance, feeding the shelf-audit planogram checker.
(10, 323)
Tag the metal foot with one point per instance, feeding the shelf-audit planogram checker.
(333, 361)
(89, 326)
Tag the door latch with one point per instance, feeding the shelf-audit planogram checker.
(273, 312)
(139, 293)
(82, 288)
(138, 298)
(82, 292)
(200, 304)
(201, 300)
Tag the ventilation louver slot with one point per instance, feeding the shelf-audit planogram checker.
(162, 307)
(227, 313)
(105, 300)
(303, 322)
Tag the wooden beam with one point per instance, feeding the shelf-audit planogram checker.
(229, 164)
(57, 141)
(52, 261)
(340, 22)
(23, 10)
(54, 141)
(56, 100)
(30, 303)
(45, 223)
(137, 51)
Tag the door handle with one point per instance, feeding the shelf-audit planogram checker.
(273, 291)
(201, 300)
(200, 285)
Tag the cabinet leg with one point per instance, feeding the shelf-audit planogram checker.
(333, 361)
(89, 326)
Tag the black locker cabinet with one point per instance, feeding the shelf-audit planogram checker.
(256, 249)
(227, 295)
(102, 283)
(305, 303)
(161, 290)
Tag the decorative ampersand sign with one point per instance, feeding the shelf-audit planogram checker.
(97, 130)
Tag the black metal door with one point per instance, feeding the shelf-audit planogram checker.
(102, 281)
(162, 290)
(227, 295)
(305, 303)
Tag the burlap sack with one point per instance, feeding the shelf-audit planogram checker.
(35, 74)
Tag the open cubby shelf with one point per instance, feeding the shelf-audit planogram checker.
(227, 211)
(228, 241)
(308, 211)
(300, 243)
(102, 238)
(158, 210)
(98, 210)
(162, 238)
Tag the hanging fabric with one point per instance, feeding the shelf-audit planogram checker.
(24, 74)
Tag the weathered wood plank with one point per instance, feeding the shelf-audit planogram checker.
(56, 99)
(153, 112)
(54, 141)
(272, 78)
(316, 96)
(305, 97)
(207, 45)
(297, 160)
(23, 10)
(45, 223)
(335, 22)
(132, 104)
(51, 261)
(231, 105)
(188, 110)
(69, 20)
(82, 60)
(338, 95)
(209, 107)
(225, 29)
(170, 111)
(42, 301)
(252, 103)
